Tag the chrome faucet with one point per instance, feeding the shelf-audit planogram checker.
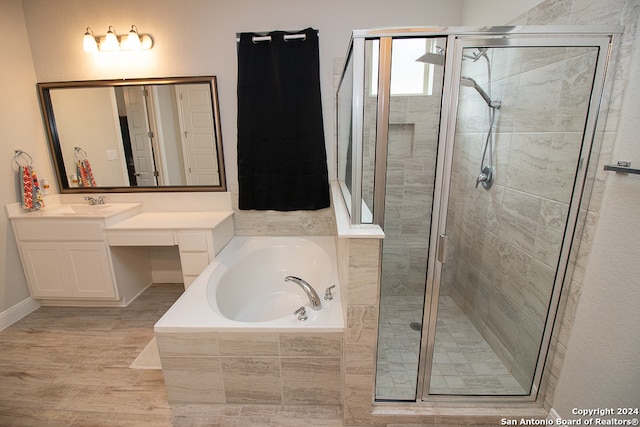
(314, 299)
(93, 201)
(302, 313)
(327, 293)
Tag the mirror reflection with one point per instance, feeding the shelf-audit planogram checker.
(135, 135)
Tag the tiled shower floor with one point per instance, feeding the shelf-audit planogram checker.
(463, 363)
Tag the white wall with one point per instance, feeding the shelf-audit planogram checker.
(602, 363)
(20, 128)
(494, 12)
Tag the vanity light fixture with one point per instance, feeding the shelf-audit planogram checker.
(112, 43)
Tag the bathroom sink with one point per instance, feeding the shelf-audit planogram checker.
(87, 209)
(84, 210)
(79, 210)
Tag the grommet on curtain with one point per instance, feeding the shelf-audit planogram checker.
(288, 37)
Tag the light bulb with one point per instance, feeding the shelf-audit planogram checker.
(89, 42)
(147, 42)
(133, 41)
(110, 42)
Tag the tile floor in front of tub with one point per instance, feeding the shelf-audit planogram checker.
(463, 362)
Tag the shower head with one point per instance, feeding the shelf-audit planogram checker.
(438, 58)
(432, 58)
(469, 82)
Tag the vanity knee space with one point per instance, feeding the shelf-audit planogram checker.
(199, 236)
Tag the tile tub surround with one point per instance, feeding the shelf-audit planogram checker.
(287, 368)
(210, 358)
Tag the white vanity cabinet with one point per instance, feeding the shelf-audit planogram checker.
(66, 259)
(68, 270)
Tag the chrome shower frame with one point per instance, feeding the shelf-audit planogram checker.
(459, 38)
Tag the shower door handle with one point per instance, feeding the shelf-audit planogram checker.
(442, 248)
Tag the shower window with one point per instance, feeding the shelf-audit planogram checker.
(345, 135)
(371, 49)
(356, 127)
(409, 75)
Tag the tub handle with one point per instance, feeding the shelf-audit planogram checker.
(302, 313)
(327, 293)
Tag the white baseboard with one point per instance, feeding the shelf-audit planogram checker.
(17, 312)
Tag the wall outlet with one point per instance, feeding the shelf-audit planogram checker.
(112, 155)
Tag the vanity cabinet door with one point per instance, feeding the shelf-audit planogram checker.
(89, 270)
(68, 270)
(46, 269)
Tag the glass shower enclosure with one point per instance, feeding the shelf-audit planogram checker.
(470, 148)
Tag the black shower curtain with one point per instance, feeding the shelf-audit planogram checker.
(282, 162)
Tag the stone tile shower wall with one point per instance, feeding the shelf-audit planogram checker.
(585, 12)
(411, 159)
(506, 240)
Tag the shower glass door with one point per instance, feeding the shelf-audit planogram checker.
(516, 154)
(412, 132)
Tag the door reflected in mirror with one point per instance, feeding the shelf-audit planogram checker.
(135, 135)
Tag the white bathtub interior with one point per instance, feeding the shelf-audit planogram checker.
(252, 274)
(244, 288)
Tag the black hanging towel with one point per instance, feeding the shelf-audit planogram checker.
(282, 161)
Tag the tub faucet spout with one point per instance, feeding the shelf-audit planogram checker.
(314, 299)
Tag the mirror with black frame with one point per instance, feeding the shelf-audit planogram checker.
(160, 134)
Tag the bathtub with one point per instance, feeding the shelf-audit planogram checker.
(244, 288)
(233, 337)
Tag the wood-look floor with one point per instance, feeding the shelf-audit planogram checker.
(64, 366)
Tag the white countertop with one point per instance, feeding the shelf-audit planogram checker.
(73, 211)
(171, 220)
